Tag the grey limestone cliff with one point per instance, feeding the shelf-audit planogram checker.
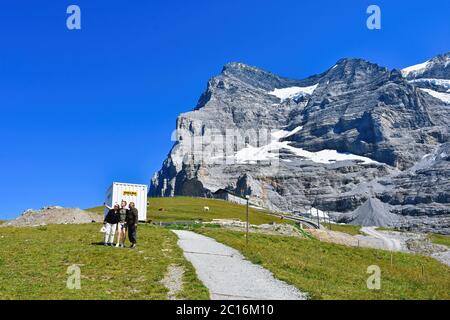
(356, 136)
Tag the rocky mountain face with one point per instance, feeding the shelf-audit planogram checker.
(357, 136)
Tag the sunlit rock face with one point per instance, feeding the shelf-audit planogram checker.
(333, 141)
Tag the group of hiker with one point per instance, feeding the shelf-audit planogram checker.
(123, 220)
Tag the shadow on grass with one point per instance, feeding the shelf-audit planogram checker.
(98, 244)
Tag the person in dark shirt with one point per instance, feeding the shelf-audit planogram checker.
(110, 223)
(132, 223)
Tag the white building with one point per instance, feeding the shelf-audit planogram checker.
(229, 196)
(136, 193)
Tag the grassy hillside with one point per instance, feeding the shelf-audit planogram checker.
(440, 239)
(330, 271)
(34, 262)
(191, 209)
(346, 228)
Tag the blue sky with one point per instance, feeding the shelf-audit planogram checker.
(83, 108)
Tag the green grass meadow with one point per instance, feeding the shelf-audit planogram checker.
(440, 239)
(187, 209)
(346, 228)
(331, 271)
(34, 263)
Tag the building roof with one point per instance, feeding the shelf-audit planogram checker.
(229, 192)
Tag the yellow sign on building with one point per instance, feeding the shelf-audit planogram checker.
(130, 193)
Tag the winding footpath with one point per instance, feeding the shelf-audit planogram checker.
(228, 275)
(391, 243)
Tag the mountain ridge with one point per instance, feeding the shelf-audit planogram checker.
(355, 107)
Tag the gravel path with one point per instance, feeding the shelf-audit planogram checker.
(173, 281)
(228, 275)
(391, 242)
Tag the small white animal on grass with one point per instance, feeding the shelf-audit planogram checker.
(205, 209)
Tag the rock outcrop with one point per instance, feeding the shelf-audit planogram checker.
(373, 212)
(53, 215)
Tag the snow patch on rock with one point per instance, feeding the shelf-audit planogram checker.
(436, 82)
(415, 69)
(251, 154)
(445, 97)
(293, 92)
(322, 215)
